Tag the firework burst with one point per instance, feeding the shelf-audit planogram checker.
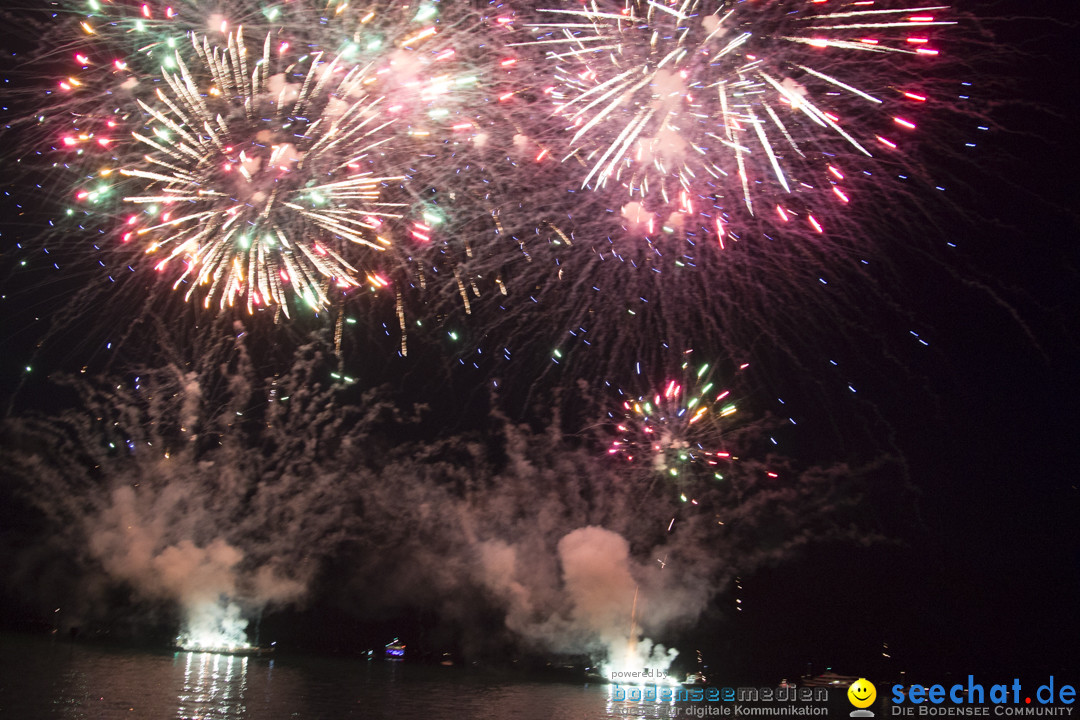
(499, 241)
(259, 181)
(408, 88)
(722, 109)
(676, 427)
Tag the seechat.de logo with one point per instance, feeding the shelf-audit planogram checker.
(862, 695)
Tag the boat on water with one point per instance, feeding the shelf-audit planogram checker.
(395, 650)
(828, 679)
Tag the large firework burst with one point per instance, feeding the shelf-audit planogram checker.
(432, 73)
(719, 108)
(497, 229)
(259, 181)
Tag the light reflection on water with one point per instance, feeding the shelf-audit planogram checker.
(214, 686)
(40, 679)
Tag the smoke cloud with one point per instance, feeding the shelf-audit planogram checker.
(219, 494)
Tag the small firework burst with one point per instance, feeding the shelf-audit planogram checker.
(678, 426)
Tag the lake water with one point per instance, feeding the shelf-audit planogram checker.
(42, 679)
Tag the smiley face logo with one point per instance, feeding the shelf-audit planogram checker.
(862, 693)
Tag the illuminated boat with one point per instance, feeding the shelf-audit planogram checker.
(395, 650)
(829, 679)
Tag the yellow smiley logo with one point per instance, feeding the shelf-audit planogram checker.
(862, 693)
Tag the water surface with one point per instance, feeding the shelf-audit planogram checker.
(44, 679)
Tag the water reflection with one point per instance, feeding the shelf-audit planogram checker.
(44, 680)
(214, 687)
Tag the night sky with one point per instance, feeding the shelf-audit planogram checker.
(975, 563)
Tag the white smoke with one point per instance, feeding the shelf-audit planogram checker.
(200, 502)
(144, 540)
(593, 608)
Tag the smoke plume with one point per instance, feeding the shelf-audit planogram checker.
(215, 494)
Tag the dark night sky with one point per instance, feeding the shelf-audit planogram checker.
(984, 568)
(990, 576)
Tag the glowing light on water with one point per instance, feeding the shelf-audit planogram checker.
(639, 662)
(214, 626)
(213, 686)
